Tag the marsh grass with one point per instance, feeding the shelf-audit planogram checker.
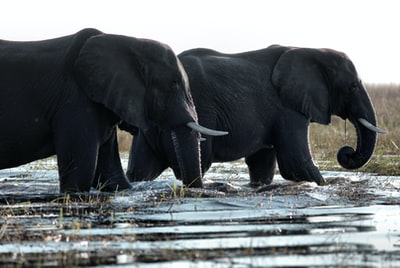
(124, 140)
(325, 141)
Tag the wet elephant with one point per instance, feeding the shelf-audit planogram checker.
(266, 99)
(65, 96)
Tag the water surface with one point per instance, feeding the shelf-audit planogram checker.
(352, 221)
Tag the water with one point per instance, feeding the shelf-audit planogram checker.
(353, 221)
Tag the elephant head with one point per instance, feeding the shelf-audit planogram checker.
(143, 83)
(321, 82)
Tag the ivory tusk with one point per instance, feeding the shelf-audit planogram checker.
(204, 130)
(370, 126)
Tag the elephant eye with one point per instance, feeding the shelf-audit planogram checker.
(174, 86)
(142, 68)
(354, 88)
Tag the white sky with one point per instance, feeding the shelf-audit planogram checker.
(368, 31)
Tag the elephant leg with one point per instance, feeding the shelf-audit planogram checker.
(144, 164)
(76, 159)
(293, 152)
(261, 167)
(110, 176)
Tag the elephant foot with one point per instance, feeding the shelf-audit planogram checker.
(312, 175)
(221, 187)
(316, 177)
(322, 182)
(262, 166)
(255, 183)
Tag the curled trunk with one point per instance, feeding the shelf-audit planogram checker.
(366, 141)
(361, 114)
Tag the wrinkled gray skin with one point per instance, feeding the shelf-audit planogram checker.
(266, 100)
(65, 96)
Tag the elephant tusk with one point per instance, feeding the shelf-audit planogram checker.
(370, 126)
(204, 130)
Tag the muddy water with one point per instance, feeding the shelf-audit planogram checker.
(352, 221)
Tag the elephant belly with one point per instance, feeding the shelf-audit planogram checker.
(21, 146)
(235, 150)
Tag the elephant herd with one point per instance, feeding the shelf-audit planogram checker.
(67, 96)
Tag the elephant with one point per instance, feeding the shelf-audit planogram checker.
(266, 100)
(65, 97)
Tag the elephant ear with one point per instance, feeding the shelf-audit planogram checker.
(109, 72)
(301, 82)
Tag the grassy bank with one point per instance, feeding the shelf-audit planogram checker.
(325, 141)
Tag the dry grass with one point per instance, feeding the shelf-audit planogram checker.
(124, 141)
(386, 99)
(325, 141)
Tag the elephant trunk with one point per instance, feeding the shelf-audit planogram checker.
(366, 140)
(362, 116)
(187, 166)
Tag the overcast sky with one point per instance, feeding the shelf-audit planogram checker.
(367, 31)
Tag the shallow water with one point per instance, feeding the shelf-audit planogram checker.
(352, 221)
